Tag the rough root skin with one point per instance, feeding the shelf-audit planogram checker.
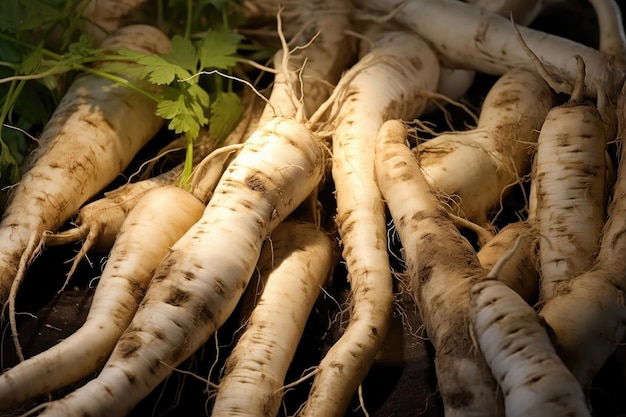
(442, 267)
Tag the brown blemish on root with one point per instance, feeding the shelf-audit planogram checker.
(108, 391)
(507, 99)
(130, 346)
(155, 366)
(255, 183)
(416, 62)
(458, 399)
(177, 297)
(130, 376)
(206, 314)
(220, 286)
(424, 273)
(337, 365)
(138, 291)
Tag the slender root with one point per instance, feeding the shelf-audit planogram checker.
(505, 258)
(32, 249)
(558, 84)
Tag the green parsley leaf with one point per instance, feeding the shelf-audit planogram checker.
(217, 49)
(32, 61)
(199, 94)
(135, 72)
(225, 114)
(156, 68)
(23, 15)
(9, 52)
(185, 108)
(9, 168)
(80, 49)
(17, 144)
(183, 54)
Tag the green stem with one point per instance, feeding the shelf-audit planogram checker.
(185, 178)
(27, 77)
(7, 159)
(70, 27)
(225, 18)
(11, 65)
(103, 58)
(115, 78)
(229, 82)
(160, 14)
(8, 103)
(14, 91)
(218, 82)
(189, 18)
(120, 80)
(18, 91)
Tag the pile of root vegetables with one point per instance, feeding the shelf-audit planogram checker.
(347, 168)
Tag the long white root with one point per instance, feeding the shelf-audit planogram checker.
(294, 266)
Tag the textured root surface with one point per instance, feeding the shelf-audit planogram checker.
(392, 388)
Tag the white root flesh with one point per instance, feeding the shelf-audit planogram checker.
(197, 286)
(485, 42)
(455, 82)
(155, 223)
(473, 170)
(98, 222)
(570, 169)
(612, 39)
(294, 265)
(308, 74)
(588, 319)
(442, 266)
(520, 271)
(369, 93)
(516, 244)
(533, 379)
(507, 341)
(89, 140)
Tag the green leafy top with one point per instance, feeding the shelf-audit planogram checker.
(189, 99)
(26, 105)
(183, 101)
(187, 96)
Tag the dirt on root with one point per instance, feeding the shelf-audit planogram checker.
(402, 382)
(393, 388)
